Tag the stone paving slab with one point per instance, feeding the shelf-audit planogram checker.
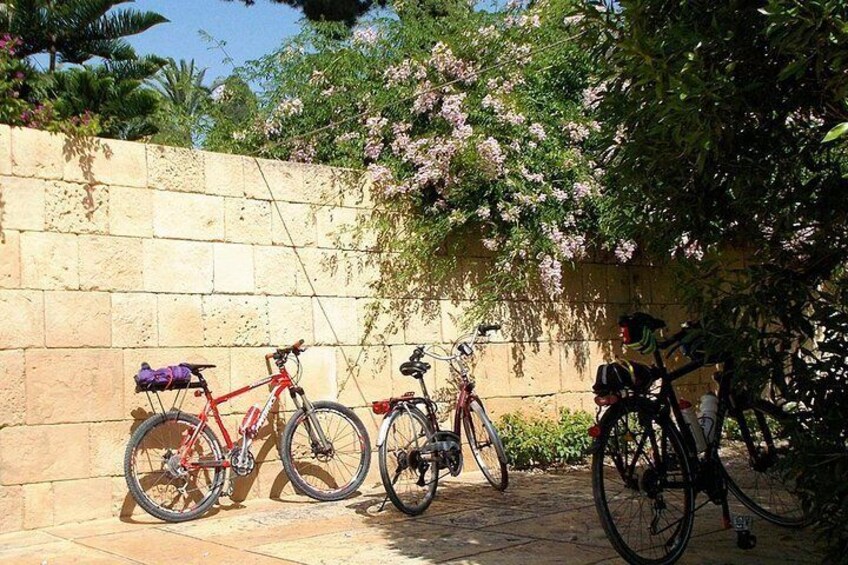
(541, 519)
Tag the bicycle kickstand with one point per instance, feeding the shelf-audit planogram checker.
(741, 524)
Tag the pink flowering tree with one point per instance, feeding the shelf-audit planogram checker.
(473, 126)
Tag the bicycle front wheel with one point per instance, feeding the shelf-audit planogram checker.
(753, 452)
(409, 480)
(157, 478)
(486, 445)
(642, 484)
(330, 471)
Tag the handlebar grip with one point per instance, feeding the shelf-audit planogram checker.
(269, 356)
(483, 329)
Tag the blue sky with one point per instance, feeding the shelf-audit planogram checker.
(249, 31)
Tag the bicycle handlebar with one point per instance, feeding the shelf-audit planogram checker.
(480, 331)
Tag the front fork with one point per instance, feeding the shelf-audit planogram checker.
(316, 432)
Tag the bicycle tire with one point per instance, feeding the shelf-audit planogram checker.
(647, 486)
(361, 442)
(391, 476)
(501, 481)
(783, 509)
(149, 426)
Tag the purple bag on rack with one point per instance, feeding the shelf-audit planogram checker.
(166, 378)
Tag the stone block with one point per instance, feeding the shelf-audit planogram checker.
(618, 284)
(380, 321)
(78, 319)
(5, 150)
(178, 266)
(37, 153)
(38, 505)
(292, 224)
(320, 374)
(175, 168)
(188, 216)
(12, 388)
(224, 174)
(108, 443)
(235, 320)
(109, 162)
(364, 374)
(180, 320)
(110, 263)
(22, 203)
(320, 271)
(50, 260)
(86, 499)
(247, 221)
(74, 385)
(290, 319)
(423, 322)
(22, 313)
(134, 320)
(10, 259)
(233, 268)
(53, 453)
(130, 211)
(76, 208)
(535, 369)
(335, 227)
(492, 370)
(277, 270)
(336, 321)
(247, 366)
(11, 509)
(595, 287)
(359, 272)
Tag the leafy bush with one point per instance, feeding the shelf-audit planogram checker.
(542, 442)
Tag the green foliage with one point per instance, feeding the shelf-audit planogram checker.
(543, 442)
(184, 103)
(714, 117)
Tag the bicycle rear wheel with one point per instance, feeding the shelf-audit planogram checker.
(753, 453)
(332, 472)
(486, 445)
(410, 482)
(155, 476)
(642, 484)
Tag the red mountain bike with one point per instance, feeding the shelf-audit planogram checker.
(412, 447)
(175, 467)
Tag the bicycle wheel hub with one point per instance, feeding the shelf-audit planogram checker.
(650, 483)
(173, 465)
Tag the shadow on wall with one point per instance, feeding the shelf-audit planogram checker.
(83, 151)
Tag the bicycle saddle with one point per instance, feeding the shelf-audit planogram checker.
(641, 319)
(196, 368)
(414, 368)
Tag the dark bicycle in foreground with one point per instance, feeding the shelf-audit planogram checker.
(413, 450)
(649, 462)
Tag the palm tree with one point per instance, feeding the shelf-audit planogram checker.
(181, 84)
(74, 31)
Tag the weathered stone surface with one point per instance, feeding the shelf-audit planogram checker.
(180, 320)
(49, 260)
(108, 443)
(109, 162)
(134, 320)
(292, 224)
(37, 153)
(247, 221)
(12, 388)
(290, 319)
(364, 374)
(424, 323)
(78, 319)
(177, 266)
(536, 369)
(11, 508)
(233, 268)
(175, 168)
(86, 499)
(188, 216)
(76, 208)
(53, 453)
(336, 321)
(38, 505)
(10, 259)
(319, 271)
(335, 227)
(89, 380)
(380, 321)
(110, 263)
(5, 150)
(22, 313)
(130, 211)
(277, 270)
(235, 320)
(320, 373)
(224, 174)
(22, 203)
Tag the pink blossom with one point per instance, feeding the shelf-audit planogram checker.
(550, 273)
(366, 36)
(581, 190)
(537, 130)
(381, 176)
(452, 110)
(483, 212)
(492, 155)
(490, 243)
(426, 98)
(624, 250)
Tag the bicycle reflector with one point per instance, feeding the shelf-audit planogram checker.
(595, 431)
(380, 407)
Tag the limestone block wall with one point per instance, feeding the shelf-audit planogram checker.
(114, 253)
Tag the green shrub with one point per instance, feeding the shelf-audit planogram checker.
(542, 442)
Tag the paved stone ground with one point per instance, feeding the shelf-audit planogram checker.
(542, 518)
